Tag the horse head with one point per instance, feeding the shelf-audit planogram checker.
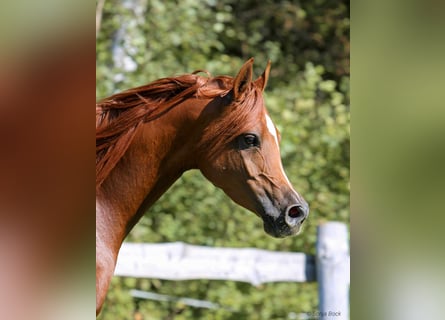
(247, 166)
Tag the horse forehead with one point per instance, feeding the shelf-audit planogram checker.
(271, 128)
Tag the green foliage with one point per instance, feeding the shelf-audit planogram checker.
(308, 99)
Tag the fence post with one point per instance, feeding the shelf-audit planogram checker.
(332, 263)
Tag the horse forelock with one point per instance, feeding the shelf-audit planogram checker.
(239, 117)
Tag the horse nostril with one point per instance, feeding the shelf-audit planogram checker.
(296, 212)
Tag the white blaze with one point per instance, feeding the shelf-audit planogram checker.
(273, 132)
(271, 128)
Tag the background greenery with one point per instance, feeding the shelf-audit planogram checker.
(308, 99)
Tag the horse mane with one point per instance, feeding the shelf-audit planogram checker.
(119, 116)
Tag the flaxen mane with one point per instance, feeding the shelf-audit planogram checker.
(119, 116)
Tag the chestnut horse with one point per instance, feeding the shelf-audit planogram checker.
(148, 136)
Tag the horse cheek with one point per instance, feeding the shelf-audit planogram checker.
(253, 162)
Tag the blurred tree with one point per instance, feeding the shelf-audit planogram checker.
(308, 98)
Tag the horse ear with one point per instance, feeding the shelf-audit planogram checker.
(261, 82)
(243, 79)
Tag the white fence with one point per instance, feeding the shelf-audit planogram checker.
(180, 261)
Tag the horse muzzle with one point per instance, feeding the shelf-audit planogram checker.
(288, 223)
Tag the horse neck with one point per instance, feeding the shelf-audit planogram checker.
(160, 152)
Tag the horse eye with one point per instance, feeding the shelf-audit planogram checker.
(249, 141)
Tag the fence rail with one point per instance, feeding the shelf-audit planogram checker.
(180, 261)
